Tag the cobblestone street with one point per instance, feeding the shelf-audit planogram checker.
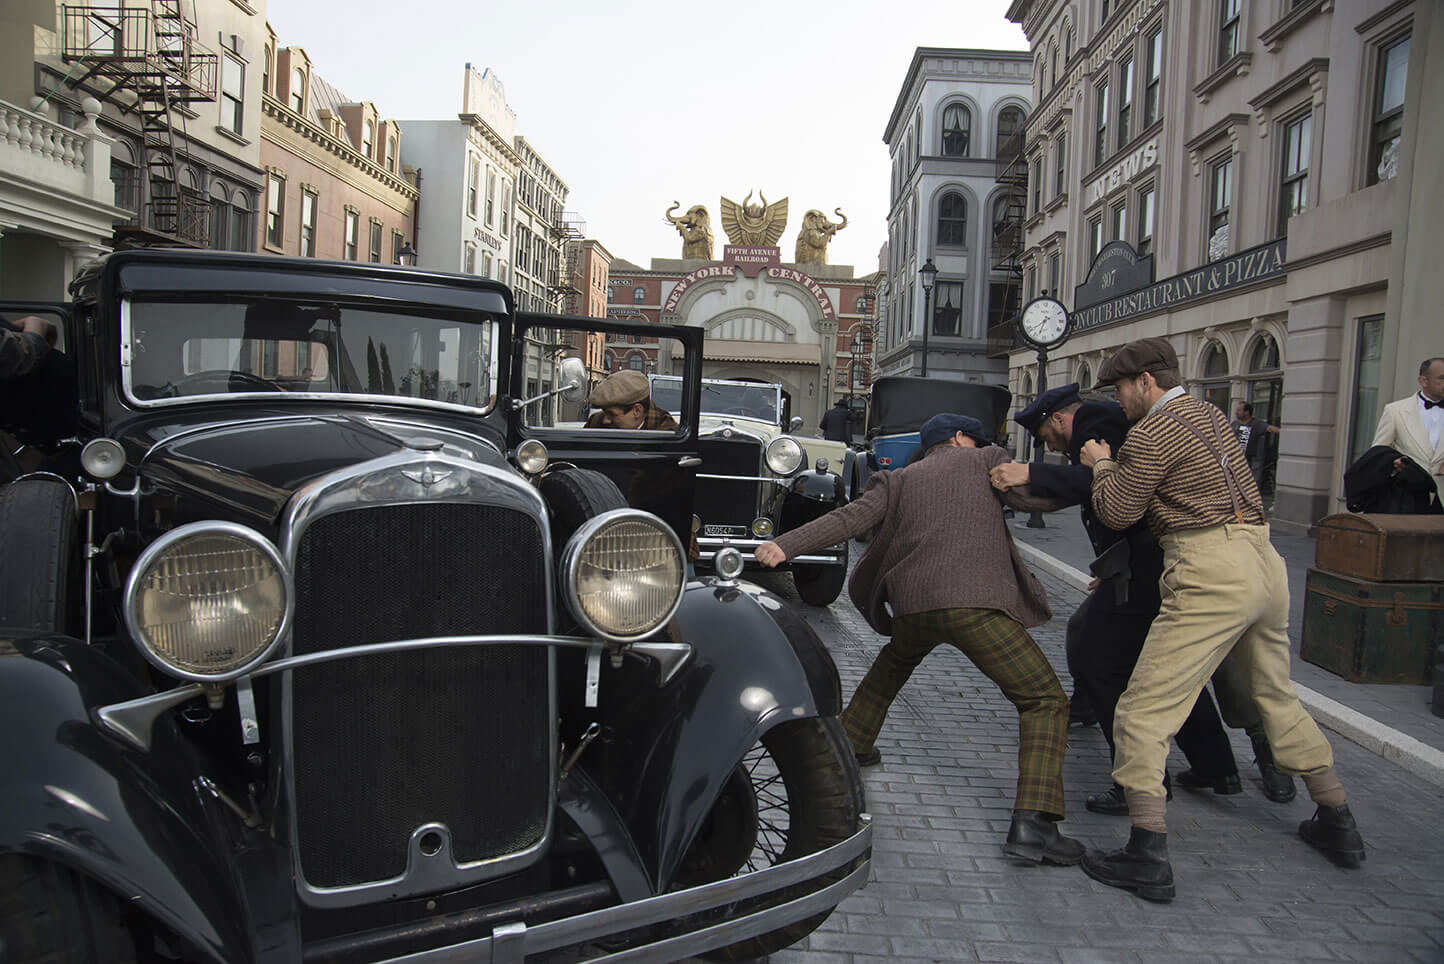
(1248, 888)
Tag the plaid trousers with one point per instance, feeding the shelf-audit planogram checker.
(999, 646)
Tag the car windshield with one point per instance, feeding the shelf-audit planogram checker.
(721, 398)
(182, 349)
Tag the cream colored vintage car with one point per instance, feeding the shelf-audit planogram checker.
(760, 478)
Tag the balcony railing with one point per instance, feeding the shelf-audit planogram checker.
(130, 42)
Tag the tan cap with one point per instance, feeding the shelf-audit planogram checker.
(621, 389)
(1135, 358)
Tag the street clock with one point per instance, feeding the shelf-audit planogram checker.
(1044, 323)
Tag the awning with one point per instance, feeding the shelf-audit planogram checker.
(771, 352)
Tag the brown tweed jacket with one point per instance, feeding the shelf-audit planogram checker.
(941, 542)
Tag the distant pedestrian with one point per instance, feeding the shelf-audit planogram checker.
(1414, 425)
(1106, 632)
(1255, 438)
(944, 561)
(835, 422)
(1224, 589)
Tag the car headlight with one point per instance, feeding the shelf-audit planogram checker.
(785, 455)
(208, 601)
(623, 573)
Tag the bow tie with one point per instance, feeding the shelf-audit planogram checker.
(1428, 404)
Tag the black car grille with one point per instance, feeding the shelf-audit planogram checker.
(457, 735)
(729, 502)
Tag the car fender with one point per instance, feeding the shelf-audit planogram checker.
(128, 819)
(818, 486)
(674, 729)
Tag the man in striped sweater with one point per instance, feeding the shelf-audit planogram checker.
(1224, 589)
(946, 565)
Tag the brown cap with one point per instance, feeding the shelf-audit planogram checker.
(1135, 358)
(621, 389)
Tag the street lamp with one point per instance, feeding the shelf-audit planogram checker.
(406, 257)
(928, 274)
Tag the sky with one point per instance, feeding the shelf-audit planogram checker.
(636, 105)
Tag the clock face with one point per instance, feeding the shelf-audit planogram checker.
(1045, 321)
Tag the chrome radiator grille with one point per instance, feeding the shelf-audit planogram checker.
(460, 736)
(732, 501)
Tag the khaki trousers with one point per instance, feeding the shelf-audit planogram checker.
(1224, 589)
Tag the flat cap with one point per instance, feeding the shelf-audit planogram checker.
(1137, 357)
(1032, 417)
(621, 389)
(942, 427)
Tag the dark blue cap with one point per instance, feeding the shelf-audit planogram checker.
(1032, 417)
(942, 427)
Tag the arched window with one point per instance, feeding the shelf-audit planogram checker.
(1085, 377)
(1214, 381)
(639, 295)
(1010, 122)
(220, 216)
(125, 176)
(1001, 224)
(298, 90)
(1265, 380)
(1024, 399)
(637, 362)
(1067, 45)
(953, 220)
(240, 231)
(611, 295)
(368, 137)
(957, 130)
(391, 154)
(1053, 61)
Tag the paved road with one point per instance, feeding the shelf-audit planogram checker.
(1248, 888)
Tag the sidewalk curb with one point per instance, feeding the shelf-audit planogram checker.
(1418, 758)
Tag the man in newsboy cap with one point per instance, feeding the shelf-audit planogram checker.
(1224, 591)
(943, 561)
(625, 401)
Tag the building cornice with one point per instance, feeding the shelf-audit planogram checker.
(277, 112)
(1236, 66)
(908, 93)
(1295, 18)
(476, 125)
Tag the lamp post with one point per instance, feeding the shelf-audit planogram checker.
(406, 257)
(928, 274)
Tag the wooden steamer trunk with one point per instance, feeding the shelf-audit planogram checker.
(1374, 604)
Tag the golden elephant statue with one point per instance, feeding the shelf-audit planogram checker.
(695, 227)
(816, 234)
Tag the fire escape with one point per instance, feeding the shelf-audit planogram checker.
(1012, 175)
(152, 55)
(567, 231)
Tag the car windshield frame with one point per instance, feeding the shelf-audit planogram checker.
(330, 312)
(715, 388)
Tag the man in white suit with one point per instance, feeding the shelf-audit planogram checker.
(1415, 425)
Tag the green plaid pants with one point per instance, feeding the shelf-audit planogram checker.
(999, 646)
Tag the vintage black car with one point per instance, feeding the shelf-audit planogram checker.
(323, 642)
(899, 404)
(759, 478)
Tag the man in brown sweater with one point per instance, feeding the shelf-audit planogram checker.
(1224, 590)
(944, 562)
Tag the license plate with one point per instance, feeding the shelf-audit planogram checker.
(723, 531)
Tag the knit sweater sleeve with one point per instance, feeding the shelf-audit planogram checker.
(1123, 486)
(850, 520)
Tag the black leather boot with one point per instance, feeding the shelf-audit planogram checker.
(1110, 801)
(1034, 836)
(1225, 785)
(1141, 865)
(1278, 786)
(1332, 830)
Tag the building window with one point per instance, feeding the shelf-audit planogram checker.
(275, 210)
(368, 137)
(490, 197)
(957, 130)
(1038, 185)
(397, 242)
(637, 362)
(391, 154)
(270, 358)
(1106, 7)
(308, 224)
(1068, 45)
(1294, 170)
(1228, 29)
(353, 227)
(953, 220)
(1220, 190)
(639, 295)
(1002, 301)
(220, 216)
(1054, 270)
(611, 295)
(1125, 100)
(1145, 221)
(233, 94)
(1085, 376)
(486, 263)
(468, 258)
(240, 234)
(948, 308)
(1388, 122)
(1030, 283)
(373, 250)
(506, 210)
(1095, 237)
(473, 177)
(298, 90)
(1214, 382)
(1153, 76)
(1100, 141)
(1120, 222)
(124, 176)
(1010, 122)
(266, 62)
(1061, 161)
(1368, 354)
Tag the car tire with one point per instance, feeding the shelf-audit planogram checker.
(821, 585)
(49, 914)
(39, 569)
(813, 762)
(574, 496)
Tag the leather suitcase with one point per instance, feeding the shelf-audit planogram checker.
(1372, 632)
(1384, 548)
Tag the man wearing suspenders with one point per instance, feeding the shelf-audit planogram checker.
(1224, 589)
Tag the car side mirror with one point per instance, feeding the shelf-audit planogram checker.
(574, 387)
(795, 424)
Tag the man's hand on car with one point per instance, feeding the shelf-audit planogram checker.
(769, 555)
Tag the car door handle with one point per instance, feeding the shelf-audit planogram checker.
(689, 461)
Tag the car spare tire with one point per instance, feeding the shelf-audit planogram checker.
(39, 567)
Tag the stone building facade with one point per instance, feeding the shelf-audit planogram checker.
(1256, 237)
(955, 113)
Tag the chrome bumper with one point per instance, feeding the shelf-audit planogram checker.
(707, 547)
(516, 941)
